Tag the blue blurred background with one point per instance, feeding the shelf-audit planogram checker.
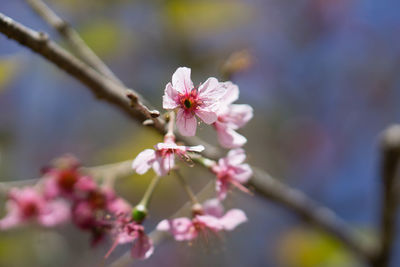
(322, 76)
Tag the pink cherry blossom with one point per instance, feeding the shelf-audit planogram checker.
(126, 231)
(27, 205)
(61, 182)
(162, 159)
(231, 171)
(232, 117)
(190, 101)
(210, 218)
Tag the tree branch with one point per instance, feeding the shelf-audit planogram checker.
(300, 204)
(101, 86)
(72, 37)
(390, 184)
(116, 94)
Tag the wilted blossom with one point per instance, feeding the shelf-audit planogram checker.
(203, 101)
(232, 117)
(125, 231)
(28, 205)
(210, 218)
(231, 170)
(162, 159)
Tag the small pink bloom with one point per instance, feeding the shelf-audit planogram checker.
(26, 205)
(61, 182)
(232, 117)
(190, 102)
(162, 159)
(126, 231)
(212, 218)
(230, 220)
(231, 171)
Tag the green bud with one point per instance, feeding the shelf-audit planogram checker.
(139, 213)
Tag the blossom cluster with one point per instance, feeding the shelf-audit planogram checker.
(66, 193)
(211, 102)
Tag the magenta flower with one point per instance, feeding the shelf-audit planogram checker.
(232, 117)
(162, 159)
(27, 205)
(210, 219)
(202, 102)
(126, 231)
(231, 171)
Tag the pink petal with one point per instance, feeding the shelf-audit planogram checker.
(222, 187)
(181, 80)
(231, 94)
(119, 206)
(142, 247)
(210, 222)
(227, 137)
(168, 163)
(207, 116)
(51, 189)
(86, 184)
(170, 97)
(232, 219)
(213, 207)
(243, 173)
(13, 218)
(143, 161)
(57, 212)
(236, 156)
(181, 228)
(236, 116)
(163, 226)
(211, 91)
(186, 123)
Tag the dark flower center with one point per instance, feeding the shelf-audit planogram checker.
(67, 180)
(30, 210)
(187, 103)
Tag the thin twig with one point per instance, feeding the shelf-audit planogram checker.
(82, 50)
(390, 146)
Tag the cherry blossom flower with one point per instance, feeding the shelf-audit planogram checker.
(190, 101)
(210, 218)
(162, 159)
(231, 171)
(125, 231)
(27, 205)
(61, 182)
(232, 117)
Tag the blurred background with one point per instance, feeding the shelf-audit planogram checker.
(322, 76)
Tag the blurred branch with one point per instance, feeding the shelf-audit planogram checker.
(390, 146)
(300, 204)
(101, 86)
(114, 93)
(82, 50)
